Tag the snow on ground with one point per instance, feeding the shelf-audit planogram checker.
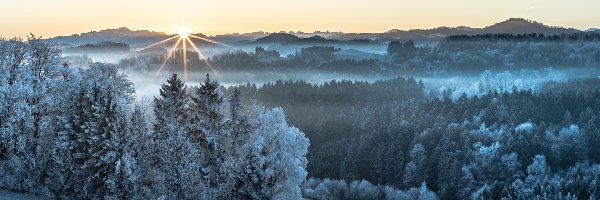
(8, 195)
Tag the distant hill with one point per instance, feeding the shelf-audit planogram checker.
(102, 47)
(141, 38)
(593, 30)
(277, 38)
(236, 37)
(512, 26)
(520, 25)
(120, 35)
(313, 40)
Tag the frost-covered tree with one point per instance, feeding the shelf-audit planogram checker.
(100, 142)
(238, 122)
(207, 130)
(278, 157)
(488, 172)
(73, 133)
(138, 148)
(361, 189)
(32, 96)
(207, 101)
(415, 171)
(176, 161)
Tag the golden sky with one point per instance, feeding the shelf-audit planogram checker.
(50, 18)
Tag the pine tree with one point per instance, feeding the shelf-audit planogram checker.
(207, 122)
(171, 105)
(238, 122)
(136, 161)
(177, 161)
(97, 148)
(206, 103)
(415, 172)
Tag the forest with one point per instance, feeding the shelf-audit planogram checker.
(515, 144)
(458, 54)
(70, 132)
(74, 133)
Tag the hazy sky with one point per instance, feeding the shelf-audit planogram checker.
(64, 17)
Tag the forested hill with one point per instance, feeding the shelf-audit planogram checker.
(528, 37)
(493, 146)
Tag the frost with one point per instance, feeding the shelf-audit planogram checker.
(524, 127)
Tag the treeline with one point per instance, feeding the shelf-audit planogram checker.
(526, 37)
(71, 133)
(471, 56)
(313, 59)
(477, 56)
(516, 144)
(102, 47)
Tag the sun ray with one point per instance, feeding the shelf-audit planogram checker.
(200, 54)
(211, 41)
(203, 58)
(157, 43)
(167, 58)
(185, 38)
(184, 59)
(147, 47)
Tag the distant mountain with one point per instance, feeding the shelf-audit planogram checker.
(414, 34)
(120, 35)
(141, 38)
(236, 37)
(520, 25)
(512, 26)
(277, 38)
(102, 47)
(313, 40)
(592, 30)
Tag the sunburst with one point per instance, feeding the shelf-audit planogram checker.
(184, 37)
(184, 33)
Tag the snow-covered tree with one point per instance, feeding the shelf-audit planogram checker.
(488, 172)
(415, 171)
(278, 157)
(176, 161)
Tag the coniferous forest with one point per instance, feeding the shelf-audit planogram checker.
(81, 131)
(69, 133)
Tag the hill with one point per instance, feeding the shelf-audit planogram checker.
(101, 47)
(510, 26)
(120, 35)
(277, 38)
(140, 38)
(520, 25)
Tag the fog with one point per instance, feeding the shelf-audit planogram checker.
(147, 82)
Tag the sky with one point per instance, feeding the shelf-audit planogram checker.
(49, 18)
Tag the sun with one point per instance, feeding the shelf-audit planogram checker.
(185, 38)
(184, 33)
